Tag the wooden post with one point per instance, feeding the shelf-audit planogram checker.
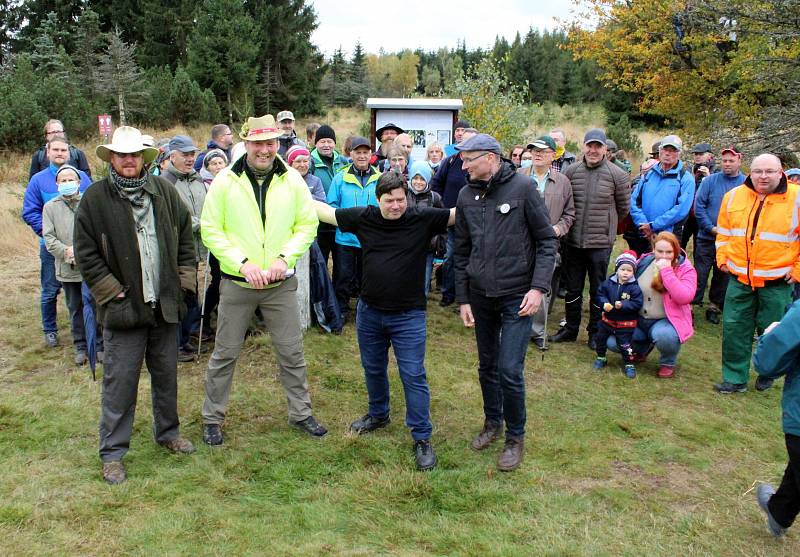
(304, 290)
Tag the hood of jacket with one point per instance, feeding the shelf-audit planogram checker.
(783, 185)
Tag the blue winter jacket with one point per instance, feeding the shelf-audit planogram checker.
(778, 353)
(347, 191)
(41, 189)
(709, 198)
(449, 179)
(629, 294)
(663, 199)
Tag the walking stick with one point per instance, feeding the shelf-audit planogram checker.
(203, 303)
(546, 302)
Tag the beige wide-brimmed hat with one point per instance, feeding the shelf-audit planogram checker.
(126, 139)
(260, 129)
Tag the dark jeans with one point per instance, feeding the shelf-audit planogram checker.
(346, 275)
(784, 506)
(705, 262)
(50, 289)
(405, 332)
(448, 271)
(72, 292)
(623, 338)
(125, 351)
(192, 319)
(687, 231)
(212, 291)
(326, 240)
(578, 263)
(654, 332)
(502, 337)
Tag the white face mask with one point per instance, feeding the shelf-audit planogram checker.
(526, 163)
(68, 189)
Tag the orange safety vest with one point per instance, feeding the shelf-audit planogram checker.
(758, 239)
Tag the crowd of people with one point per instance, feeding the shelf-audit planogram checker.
(504, 235)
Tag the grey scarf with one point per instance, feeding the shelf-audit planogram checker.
(131, 189)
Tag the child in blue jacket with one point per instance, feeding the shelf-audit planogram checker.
(621, 299)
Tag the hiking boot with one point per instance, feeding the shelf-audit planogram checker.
(511, 457)
(51, 339)
(600, 362)
(591, 343)
(539, 342)
(638, 358)
(630, 371)
(564, 335)
(186, 356)
(179, 445)
(114, 472)
(726, 388)
(489, 434)
(424, 455)
(81, 358)
(311, 426)
(666, 372)
(367, 423)
(763, 383)
(712, 316)
(763, 494)
(212, 435)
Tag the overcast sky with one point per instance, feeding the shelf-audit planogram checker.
(429, 24)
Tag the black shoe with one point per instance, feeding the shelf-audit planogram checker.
(562, 293)
(186, 356)
(726, 388)
(312, 427)
(425, 456)
(763, 383)
(591, 343)
(539, 342)
(564, 335)
(212, 434)
(367, 423)
(712, 316)
(444, 302)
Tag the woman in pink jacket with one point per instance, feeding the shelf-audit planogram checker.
(668, 281)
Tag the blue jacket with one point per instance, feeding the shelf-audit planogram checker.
(41, 189)
(322, 171)
(449, 179)
(347, 191)
(778, 353)
(629, 294)
(663, 200)
(709, 198)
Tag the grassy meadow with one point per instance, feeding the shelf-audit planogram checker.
(613, 466)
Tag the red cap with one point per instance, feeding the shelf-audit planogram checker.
(730, 149)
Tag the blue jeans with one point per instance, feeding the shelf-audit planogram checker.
(406, 332)
(502, 337)
(428, 273)
(658, 332)
(50, 289)
(448, 271)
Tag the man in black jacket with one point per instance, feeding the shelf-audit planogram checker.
(39, 161)
(505, 252)
(134, 248)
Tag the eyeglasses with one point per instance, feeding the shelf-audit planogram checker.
(473, 159)
(767, 172)
(51, 132)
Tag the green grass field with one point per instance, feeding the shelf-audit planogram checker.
(613, 466)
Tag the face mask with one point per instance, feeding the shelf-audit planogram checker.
(68, 189)
(434, 164)
(526, 163)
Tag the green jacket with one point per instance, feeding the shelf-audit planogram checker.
(107, 253)
(58, 220)
(778, 353)
(323, 171)
(231, 225)
(192, 190)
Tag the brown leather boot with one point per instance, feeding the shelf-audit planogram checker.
(511, 457)
(490, 432)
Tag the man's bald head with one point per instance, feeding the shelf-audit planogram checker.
(766, 172)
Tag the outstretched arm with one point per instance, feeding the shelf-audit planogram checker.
(326, 213)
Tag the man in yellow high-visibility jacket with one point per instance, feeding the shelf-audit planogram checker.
(758, 244)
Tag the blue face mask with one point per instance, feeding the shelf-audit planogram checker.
(68, 189)
(526, 163)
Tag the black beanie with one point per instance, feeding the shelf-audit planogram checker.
(325, 132)
(462, 124)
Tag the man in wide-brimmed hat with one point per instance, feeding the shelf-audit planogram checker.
(386, 135)
(133, 245)
(256, 243)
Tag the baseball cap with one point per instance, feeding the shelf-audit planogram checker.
(359, 141)
(672, 141)
(285, 115)
(543, 142)
(702, 148)
(182, 143)
(595, 135)
(731, 149)
(793, 172)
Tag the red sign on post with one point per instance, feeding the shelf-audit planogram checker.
(104, 123)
